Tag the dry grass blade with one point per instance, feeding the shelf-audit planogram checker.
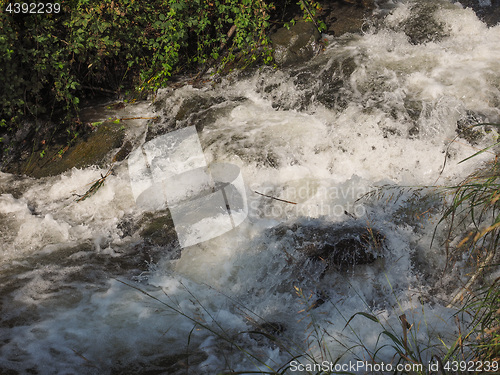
(486, 305)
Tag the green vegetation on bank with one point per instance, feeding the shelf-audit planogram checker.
(49, 61)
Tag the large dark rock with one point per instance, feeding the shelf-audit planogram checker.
(158, 234)
(319, 254)
(84, 151)
(158, 228)
(345, 16)
(422, 26)
(339, 246)
(268, 334)
(295, 45)
(346, 247)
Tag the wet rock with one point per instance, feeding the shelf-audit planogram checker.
(267, 329)
(346, 247)
(158, 229)
(196, 104)
(91, 150)
(159, 235)
(332, 93)
(466, 129)
(150, 239)
(123, 152)
(413, 108)
(414, 131)
(295, 45)
(488, 11)
(196, 110)
(348, 16)
(272, 328)
(422, 27)
(339, 246)
(268, 333)
(390, 132)
(323, 80)
(317, 255)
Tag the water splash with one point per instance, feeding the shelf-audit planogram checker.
(373, 109)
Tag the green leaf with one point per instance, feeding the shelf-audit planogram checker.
(479, 152)
(373, 318)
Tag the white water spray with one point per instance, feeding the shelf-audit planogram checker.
(380, 108)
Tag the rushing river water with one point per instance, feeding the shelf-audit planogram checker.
(103, 286)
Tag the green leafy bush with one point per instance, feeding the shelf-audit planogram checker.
(33, 67)
(49, 61)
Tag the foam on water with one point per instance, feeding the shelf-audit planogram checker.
(380, 108)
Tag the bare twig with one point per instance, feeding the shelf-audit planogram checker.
(269, 196)
(95, 186)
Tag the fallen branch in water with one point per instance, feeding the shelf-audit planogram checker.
(95, 186)
(269, 196)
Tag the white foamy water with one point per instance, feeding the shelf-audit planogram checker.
(97, 287)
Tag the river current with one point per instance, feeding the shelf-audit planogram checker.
(107, 286)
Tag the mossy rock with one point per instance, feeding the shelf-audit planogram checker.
(158, 229)
(158, 234)
(91, 150)
(295, 45)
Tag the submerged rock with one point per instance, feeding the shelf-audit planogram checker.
(467, 130)
(158, 228)
(158, 235)
(151, 238)
(268, 334)
(182, 109)
(346, 247)
(422, 25)
(318, 255)
(341, 246)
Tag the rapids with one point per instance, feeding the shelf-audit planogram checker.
(102, 286)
